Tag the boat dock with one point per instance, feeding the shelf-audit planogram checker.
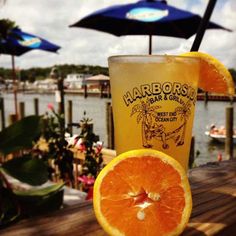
(213, 97)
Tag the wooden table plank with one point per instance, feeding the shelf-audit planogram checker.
(214, 209)
(214, 200)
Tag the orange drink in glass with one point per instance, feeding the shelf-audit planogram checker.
(153, 100)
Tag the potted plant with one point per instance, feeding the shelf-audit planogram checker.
(24, 190)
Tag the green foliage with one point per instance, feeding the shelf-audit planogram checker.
(6, 26)
(93, 158)
(33, 74)
(27, 167)
(84, 69)
(5, 73)
(35, 202)
(93, 162)
(27, 170)
(37, 141)
(233, 73)
(53, 133)
(16, 203)
(40, 200)
(20, 135)
(39, 192)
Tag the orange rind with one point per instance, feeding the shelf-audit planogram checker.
(214, 76)
(143, 193)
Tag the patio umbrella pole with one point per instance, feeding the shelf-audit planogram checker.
(202, 29)
(150, 44)
(14, 84)
(203, 25)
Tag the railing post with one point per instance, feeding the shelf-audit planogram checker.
(109, 90)
(101, 90)
(110, 126)
(70, 116)
(85, 91)
(60, 87)
(22, 109)
(36, 106)
(2, 111)
(229, 132)
(192, 153)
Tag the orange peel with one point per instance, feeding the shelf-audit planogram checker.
(214, 76)
(143, 193)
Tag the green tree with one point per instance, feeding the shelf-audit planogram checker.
(233, 73)
(6, 26)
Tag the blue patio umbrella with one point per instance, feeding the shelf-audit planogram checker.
(18, 43)
(145, 17)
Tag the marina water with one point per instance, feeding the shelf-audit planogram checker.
(206, 114)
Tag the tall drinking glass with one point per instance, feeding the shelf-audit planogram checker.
(153, 100)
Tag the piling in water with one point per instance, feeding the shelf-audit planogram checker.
(36, 106)
(110, 126)
(2, 113)
(69, 115)
(85, 91)
(229, 132)
(192, 152)
(22, 109)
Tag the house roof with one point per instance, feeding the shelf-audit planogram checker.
(99, 77)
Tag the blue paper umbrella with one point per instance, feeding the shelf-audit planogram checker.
(146, 17)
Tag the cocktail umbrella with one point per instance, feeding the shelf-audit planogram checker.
(18, 42)
(145, 17)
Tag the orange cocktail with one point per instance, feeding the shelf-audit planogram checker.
(153, 99)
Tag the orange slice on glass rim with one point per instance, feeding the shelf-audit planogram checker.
(143, 193)
(214, 76)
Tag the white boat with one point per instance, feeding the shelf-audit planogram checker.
(219, 134)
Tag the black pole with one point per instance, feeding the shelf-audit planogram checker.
(201, 31)
(150, 44)
(203, 25)
(61, 106)
(14, 84)
(2, 111)
(36, 106)
(60, 86)
(229, 126)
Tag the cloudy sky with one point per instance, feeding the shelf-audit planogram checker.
(50, 19)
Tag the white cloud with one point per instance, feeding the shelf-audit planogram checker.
(51, 20)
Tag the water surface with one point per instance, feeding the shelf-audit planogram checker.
(213, 112)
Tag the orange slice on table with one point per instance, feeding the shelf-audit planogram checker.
(143, 193)
(214, 76)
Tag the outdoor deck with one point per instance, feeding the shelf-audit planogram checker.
(214, 209)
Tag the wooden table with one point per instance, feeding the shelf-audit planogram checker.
(214, 209)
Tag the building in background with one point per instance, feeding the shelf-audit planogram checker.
(75, 81)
